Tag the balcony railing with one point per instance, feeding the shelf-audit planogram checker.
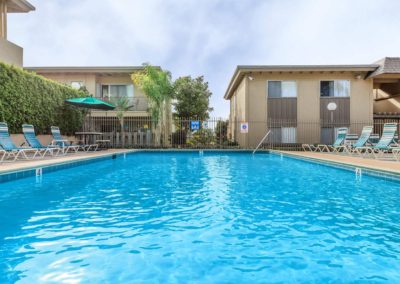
(138, 104)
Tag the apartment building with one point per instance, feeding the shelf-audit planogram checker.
(307, 103)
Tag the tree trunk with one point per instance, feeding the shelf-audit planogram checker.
(122, 133)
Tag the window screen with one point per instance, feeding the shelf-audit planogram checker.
(289, 134)
(274, 89)
(289, 89)
(337, 88)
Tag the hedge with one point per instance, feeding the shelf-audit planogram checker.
(29, 98)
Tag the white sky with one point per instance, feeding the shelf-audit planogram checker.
(206, 37)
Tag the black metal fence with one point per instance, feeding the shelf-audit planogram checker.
(218, 133)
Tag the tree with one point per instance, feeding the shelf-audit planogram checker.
(157, 86)
(221, 131)
(121, 106)
(193, 97)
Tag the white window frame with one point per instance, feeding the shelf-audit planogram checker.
(116, 84)
(282, 83)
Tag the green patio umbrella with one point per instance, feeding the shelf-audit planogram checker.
(90, 103)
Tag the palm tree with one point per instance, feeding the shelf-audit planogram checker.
(121, 107)
(157, 86)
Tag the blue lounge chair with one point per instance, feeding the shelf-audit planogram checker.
(361, 142)
(33, 141)
(66, 146)
(11, 150)
(384, 144)
(341, 136)
(63, 143)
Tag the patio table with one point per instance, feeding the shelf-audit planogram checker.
(88, 136)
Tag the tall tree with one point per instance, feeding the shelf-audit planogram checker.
(157, 86)
(193, 97)
(122, 105)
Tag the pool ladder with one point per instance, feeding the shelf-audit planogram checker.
(262, 140)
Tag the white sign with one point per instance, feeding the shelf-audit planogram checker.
(244, 127)
(331, 106)
(205, 124)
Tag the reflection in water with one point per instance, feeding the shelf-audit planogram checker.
(213, 218)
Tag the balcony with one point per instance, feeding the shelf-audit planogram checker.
(138, 104)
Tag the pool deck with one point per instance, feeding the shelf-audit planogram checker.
(21, 165)
(389, 166)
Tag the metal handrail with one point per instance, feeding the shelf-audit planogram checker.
(262, 140)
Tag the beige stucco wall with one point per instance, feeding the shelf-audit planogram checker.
(257, 109)
(389, 105)
(90, 80)
(241, 113)
(308, 103)
(361, 104)
(11, 53)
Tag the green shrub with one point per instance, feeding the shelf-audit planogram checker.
(29, 98)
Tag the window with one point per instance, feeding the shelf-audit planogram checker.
(282, 89)
(329, 134)
(336, 88)
(288, 134)
(108, 91)
(77, 84)
(275, 135)
(283, 135)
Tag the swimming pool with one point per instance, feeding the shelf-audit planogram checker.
(212, 218)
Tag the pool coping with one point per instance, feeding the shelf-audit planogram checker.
(54, 165)
(357, 169)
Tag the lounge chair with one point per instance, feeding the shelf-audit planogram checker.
(67, 146)
(361, 142)
(384, 144)
(33, 141)
(10, 149)
(340, 139)
(309, 147)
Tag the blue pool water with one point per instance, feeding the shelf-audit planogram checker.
(216, 218)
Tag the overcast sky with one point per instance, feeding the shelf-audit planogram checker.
(206, 37)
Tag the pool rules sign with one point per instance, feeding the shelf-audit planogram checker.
(244, 127)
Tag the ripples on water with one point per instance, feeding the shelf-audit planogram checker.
(189, 218)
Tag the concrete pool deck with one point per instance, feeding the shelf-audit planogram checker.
(21, 165)
(390, 166)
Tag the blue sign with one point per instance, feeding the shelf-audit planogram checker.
(195, 125)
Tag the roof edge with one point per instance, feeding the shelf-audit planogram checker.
(240, 69)
(24, 5)
(83, 69)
